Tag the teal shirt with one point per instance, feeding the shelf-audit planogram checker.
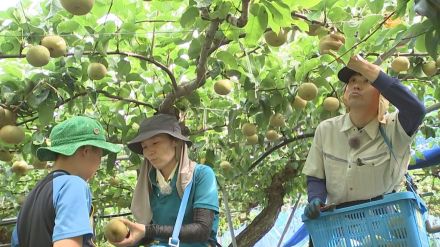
(203, 195)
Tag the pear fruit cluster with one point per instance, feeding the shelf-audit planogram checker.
(9, 132)
(250, 131)
(51, 46)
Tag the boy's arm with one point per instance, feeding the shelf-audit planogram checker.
(69, 242)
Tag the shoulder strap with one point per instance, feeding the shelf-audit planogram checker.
(410, 186)
(174, 240)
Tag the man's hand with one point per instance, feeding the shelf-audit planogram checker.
(313, 209)
(136, 233)
(363, 67)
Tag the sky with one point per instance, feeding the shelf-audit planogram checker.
(7, 4)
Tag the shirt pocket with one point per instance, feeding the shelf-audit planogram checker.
(335, 172)
(372, 173)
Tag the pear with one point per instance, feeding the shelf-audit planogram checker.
(274, 39)
(272, 135)
(308, 91)
(38, 56)
(429, 68)
(55, 44)
(277, 120)
(252, 140)
(96, 71)
(400, 64)
(249, 129)
(77, 7)
(115, 230)
(223, 87)
(11, 134)
(5, 155)
(299, 103)
(331, 104)
(7, 117)
(225, 165)
(20, 167)
(438, 62)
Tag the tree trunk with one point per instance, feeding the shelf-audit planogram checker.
(266, 219)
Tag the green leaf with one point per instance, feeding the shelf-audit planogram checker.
(375, 5)
(228, 59)
(301, 24)
(124, 67)
(189, 17)
(45, 112)
(431, 43)
(305, 4)
(69, 26)
(134, 77)
(256, 25)
(367, 24)
(111, 159)
(194, 48)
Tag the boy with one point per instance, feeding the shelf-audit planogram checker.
(56, 212)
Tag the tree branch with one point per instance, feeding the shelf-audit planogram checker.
(106, 94)
(278, 146)
(129, 54)
(243, 19)
(433, 107)
(188, 88)
(266, 218)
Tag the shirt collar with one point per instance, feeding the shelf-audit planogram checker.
(371, 128)
(161, 180)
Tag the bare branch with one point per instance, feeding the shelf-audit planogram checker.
(243, 19)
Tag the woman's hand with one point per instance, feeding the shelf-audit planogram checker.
(136, 233)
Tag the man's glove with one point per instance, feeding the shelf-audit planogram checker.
(313, 209)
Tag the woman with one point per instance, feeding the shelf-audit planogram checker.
(166, 172)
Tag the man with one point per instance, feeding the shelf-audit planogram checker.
(349, 161)
(57, 211)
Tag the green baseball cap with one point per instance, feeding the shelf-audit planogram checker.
(73, 133)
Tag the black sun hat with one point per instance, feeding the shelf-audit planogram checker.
(157, 124)
(345, 73)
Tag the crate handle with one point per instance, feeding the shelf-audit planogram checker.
(430, 228)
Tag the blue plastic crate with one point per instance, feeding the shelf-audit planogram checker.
(394, 221)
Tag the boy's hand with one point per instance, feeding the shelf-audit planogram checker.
(136, 233)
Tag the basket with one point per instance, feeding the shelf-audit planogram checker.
(394, 221)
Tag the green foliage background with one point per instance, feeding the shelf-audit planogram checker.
(163, 53)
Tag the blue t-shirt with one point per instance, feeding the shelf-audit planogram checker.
(59, 207)
(203, 195)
